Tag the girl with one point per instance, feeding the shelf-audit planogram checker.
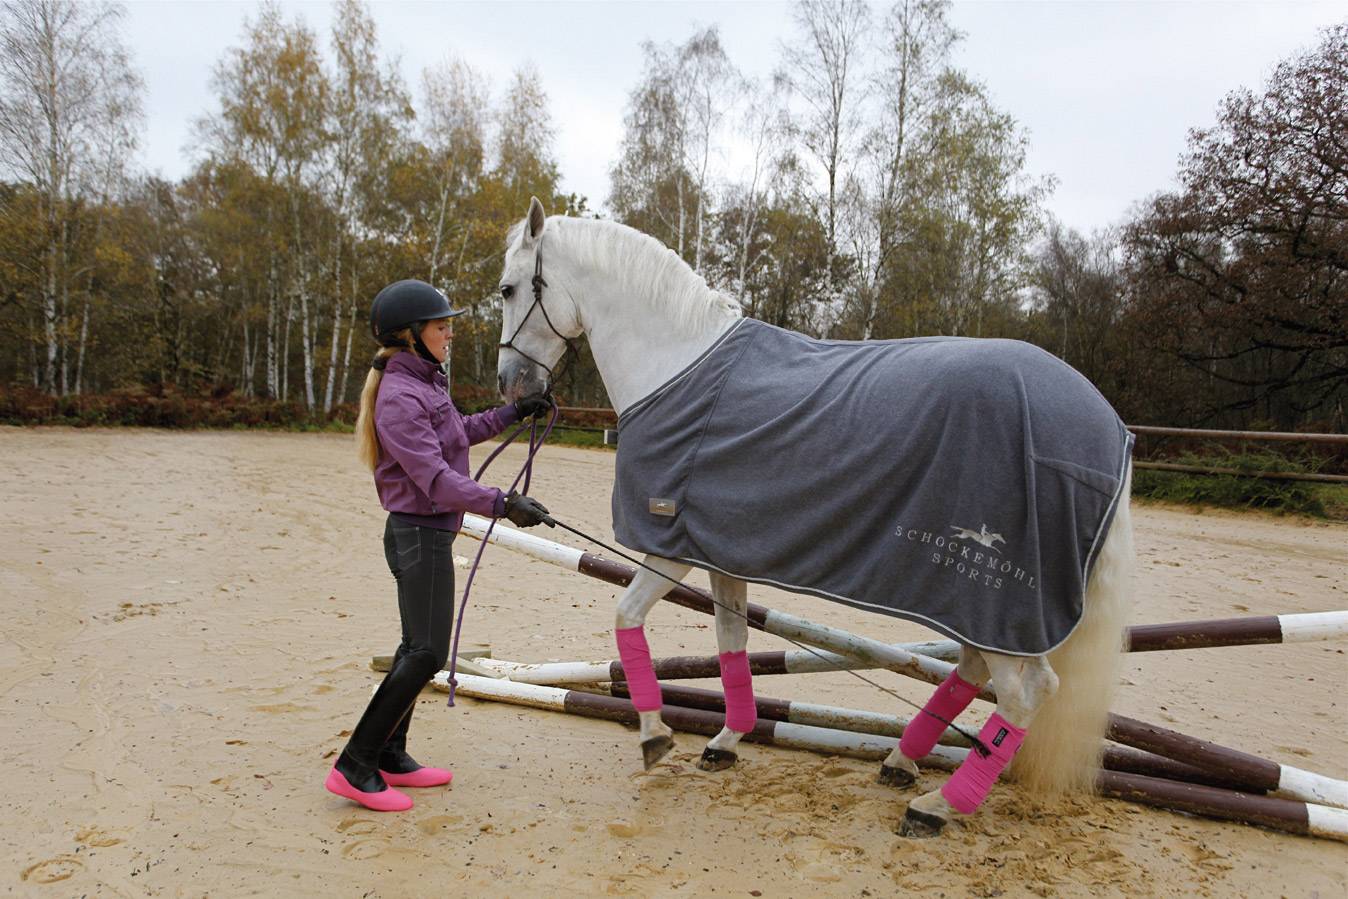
(416, 442)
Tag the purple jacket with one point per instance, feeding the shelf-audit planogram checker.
(423, 446)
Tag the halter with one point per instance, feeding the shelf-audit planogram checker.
(570, 353)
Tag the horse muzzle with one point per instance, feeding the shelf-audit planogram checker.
(520, 378)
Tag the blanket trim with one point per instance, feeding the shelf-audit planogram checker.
(935, 625)
(916, 617)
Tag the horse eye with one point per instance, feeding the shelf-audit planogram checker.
(507, 292)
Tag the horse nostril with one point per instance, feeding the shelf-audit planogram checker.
(501, 383)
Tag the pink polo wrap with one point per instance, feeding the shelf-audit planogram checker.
(636, 658)
(969, 785)
(741, 713)
(924, 731)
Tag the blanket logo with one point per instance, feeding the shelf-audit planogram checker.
(969, 554)
(980, 536)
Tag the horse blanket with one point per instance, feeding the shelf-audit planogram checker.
(965, 484)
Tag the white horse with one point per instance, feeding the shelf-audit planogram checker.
(647, 316)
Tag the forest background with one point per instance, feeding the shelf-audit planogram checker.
(886, 196)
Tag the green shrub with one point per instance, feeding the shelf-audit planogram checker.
(1305, 497)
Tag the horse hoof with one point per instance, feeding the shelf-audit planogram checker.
(716, 759)
(654, 749)
(920, 824)
(894, 776)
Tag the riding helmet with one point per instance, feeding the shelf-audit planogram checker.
(404, 303)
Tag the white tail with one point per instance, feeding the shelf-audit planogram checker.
(1061, 752)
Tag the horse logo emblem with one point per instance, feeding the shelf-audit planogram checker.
(980, 536)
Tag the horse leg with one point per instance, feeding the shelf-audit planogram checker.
(1022, 683)
(644, 592)
(732, 636)
(924, 731)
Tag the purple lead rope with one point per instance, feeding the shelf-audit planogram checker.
(526, 473)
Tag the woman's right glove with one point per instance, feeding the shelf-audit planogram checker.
(525, 512)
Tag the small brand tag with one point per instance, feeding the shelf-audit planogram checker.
(665, 507)
(1001, 735)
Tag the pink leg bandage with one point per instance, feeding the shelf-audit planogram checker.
(636, 659)
(969, 785)
(741, 714)
(923, 732)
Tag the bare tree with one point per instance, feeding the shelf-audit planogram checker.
(763, 126)
(368, 110)
(454, 124)
(915, 49)
(707, 82)
(69, 109)
(822, 66)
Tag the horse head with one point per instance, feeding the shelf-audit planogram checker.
(537, 317)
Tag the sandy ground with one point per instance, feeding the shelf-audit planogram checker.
(189, 621)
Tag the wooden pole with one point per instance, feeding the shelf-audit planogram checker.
(1282, 814)
(1299, 628)
(1229, 764)
(1218, 760)
(1287, 815)
(700, 721)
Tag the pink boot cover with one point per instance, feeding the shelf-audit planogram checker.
(425, 776)
(969, 785)
(389, 800)
(924, 731)
(741, 714)
(636, 658)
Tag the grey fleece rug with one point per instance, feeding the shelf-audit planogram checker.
(963, 484)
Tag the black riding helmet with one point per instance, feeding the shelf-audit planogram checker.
(403, 304)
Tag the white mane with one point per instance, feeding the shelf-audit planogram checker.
(640, 266)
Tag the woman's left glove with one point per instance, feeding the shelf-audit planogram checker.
(525, 512)
(533, 407)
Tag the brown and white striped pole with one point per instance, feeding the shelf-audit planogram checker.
(1282, 814)
(699, 721)
(1230, 764)
(1288, 815)
(1294, 628)
(1290, 781)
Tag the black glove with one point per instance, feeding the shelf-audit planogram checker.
(533, 407)
(525, 512)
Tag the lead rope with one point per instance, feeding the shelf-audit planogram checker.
(526, 474)
(527, 471)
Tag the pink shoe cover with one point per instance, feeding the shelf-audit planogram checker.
(389, 800)
(969, 785)
(924, 731)
(422, 777)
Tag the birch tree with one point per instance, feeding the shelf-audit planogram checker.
(914, 50)
(273, 95)
(369, 110)
(823, 66)
(69, 113)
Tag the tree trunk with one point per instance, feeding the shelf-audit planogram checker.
(273, 374)
(336, 325)
(285, 347)
(84, 342)
(307, 325)
(351, 329)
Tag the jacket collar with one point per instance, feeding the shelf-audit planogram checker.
(410, 363)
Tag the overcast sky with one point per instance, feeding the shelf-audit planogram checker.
(1106, 90)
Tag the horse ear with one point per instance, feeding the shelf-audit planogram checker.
(536, 218)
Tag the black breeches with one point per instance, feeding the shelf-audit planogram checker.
(422, 561)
